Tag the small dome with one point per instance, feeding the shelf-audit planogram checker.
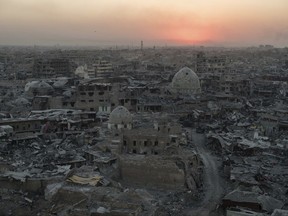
(68, 93)
(60, 83)
(21, 102)
(38, 87)
(120, 115)
(186, 81)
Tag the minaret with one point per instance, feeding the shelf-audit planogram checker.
(141, 45)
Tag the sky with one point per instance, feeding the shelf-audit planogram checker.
(155, 22)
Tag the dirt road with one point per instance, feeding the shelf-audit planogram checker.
(212, 181)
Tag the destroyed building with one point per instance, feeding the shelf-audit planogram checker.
(212, 64)
(99, 95)
(54, 67)
(145, 150)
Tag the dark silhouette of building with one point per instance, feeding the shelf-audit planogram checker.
(47, 68)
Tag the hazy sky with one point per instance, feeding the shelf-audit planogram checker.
(159, 22)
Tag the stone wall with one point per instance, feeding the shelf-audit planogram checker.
(31, 184)
(152, 172)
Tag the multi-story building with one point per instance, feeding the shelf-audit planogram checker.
(236, 85)
(103, 69)
(99, 94)
(210, 64)
(54, 67)
(163, 138)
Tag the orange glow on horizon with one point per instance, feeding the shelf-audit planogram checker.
(190, 37)
(186, 22)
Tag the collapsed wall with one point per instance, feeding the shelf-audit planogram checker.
(151, 171)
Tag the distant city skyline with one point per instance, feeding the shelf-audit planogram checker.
(155, 22)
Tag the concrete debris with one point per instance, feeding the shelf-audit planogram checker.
(251, 200)
(102, 210)
(93, 181)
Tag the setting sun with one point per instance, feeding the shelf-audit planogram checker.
(156, 22)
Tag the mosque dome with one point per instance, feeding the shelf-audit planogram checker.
(120, 115)
(38, 88)
(21, 102)
(186, 81)
(60, 82)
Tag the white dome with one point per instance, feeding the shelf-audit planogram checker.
(186, 81)
(120, 115)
